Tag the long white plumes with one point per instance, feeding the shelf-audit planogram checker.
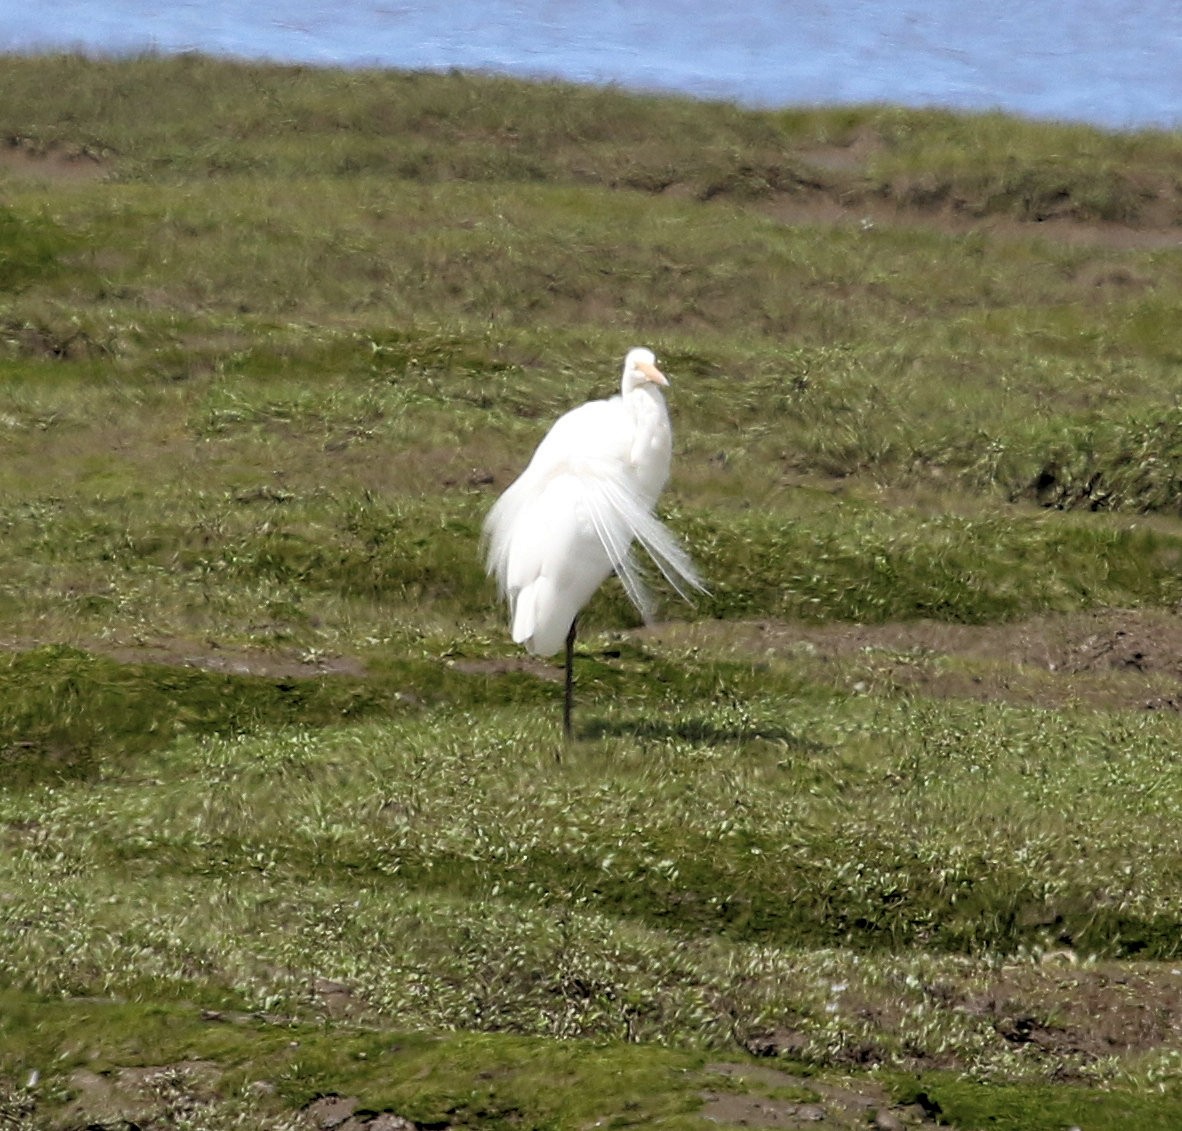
(593, 521)
(586, 498)
(497, 539)
(621, 518)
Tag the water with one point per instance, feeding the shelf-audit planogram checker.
(1114, 63)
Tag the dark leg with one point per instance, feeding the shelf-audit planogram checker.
(568, 701)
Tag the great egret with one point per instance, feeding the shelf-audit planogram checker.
(569, 520)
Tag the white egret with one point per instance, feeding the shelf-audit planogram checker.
(569, 520)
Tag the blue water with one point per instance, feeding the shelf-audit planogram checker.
(1114, 63)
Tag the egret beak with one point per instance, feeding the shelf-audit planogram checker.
(652, 373)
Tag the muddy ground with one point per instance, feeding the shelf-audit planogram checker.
(165, 1095)
(1108, 659)
(735, 1094)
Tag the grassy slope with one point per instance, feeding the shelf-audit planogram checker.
(271, 340)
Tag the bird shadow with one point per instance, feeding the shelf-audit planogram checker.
(698, 730)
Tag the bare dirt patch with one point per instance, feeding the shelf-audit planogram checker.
(866, 212)
(527, 664)
(140, 1095)
(1085, 1013)
(239, 661)
(344, 1113)
(172, 1095)
(1062, 1014)
(851, 157)
(26, 158)
(847, 195)
(770, 1097)
(209, 656)
(1102, 659)
(1109, 658)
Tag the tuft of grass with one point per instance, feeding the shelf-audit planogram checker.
(31, 248)
(461, 1080)
(69, 714)
(965, 1103)
(990, 163)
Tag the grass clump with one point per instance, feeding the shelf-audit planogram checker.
(855, 562)
(30, 248)
(990, 163)
(963, 1103)
(1129, 465)
(72, 714)
(457, 1080)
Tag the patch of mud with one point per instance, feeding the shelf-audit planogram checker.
(850, 157)
(337, 1000)
(289, 664)
(834, 184)
(853, 199)
(1059, 1013)
(25, 157)
(527, 664)
(770, 1097)
(1108, 659)
(27, 339)
(868, 212)
(1084, 1014)
(173, 1095)
(238, 661)
(150, 1095)
(343, 1113)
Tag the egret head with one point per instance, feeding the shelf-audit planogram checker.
(640, 366)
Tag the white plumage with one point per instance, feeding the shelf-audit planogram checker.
(570, 519)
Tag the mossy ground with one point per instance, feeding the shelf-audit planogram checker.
(285, 816)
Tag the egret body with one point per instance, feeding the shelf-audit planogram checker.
(570, 519)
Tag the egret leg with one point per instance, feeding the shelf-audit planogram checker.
(569, 699)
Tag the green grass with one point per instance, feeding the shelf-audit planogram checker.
(272, 340)
(458, 1080)
(972, 1104)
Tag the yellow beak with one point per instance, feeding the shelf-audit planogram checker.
(652, 373)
